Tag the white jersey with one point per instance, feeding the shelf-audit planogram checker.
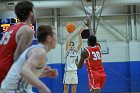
(71, 59)
(13, 79)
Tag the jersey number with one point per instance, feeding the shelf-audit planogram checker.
(6, 37)
(96, 55)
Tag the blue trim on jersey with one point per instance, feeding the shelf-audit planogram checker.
(19, 84)
(27, 54)
(74, 51)
(24, 91)
(26, 85)
(22, 85)
(67, 54)
(15, 91)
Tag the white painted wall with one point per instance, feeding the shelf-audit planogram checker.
(7, 14)
(134, 48)
(41, 21)
(106, 32)
(118, 52)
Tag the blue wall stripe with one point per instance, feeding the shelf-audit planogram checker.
(121, 77)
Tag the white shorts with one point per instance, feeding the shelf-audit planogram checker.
(70, 77)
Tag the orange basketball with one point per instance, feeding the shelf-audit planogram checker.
(70, 27)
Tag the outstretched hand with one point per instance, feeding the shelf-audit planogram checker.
(87, 22)
(49, 72)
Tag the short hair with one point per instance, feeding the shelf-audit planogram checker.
(72, 43)
(22, 9)
(92, 40)
(43, 31)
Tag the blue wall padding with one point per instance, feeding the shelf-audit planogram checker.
(135, 76)
(117, 77)
(121, 77)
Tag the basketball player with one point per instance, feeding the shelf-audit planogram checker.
(92, 55)
(17, 38)
(30, 65)
(70, 75)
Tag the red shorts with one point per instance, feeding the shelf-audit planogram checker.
(96, 80)
(4, 68)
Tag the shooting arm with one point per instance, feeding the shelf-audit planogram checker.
(67, 43)
(80, 41)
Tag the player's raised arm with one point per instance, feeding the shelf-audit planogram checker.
(67, 43)
(24, 40)
(86, 23)
(37, 58)
(84, 56)
(80, 41)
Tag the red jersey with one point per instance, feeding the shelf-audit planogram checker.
(95, 68)
(7, 48)
(94, 62)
